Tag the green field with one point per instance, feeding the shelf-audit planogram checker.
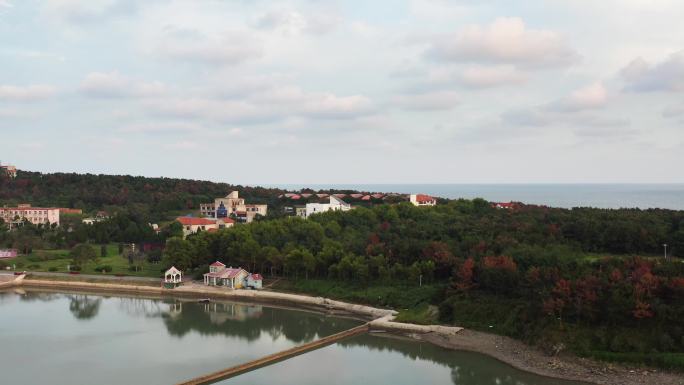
(59, 260)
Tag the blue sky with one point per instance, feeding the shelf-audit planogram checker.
(313, 91)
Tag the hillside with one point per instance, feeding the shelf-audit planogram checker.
(95, 192)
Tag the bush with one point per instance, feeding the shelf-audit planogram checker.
(74, 268)
(52, 268)
(33, 266)
(104, 268)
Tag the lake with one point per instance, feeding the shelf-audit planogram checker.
(75, 338)
(611, 196)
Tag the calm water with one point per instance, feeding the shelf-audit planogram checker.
(667, 196)
(51, 338)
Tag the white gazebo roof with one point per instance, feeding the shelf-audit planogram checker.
(172, 271)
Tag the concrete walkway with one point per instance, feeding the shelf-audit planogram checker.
(89, 276)
(275, 358)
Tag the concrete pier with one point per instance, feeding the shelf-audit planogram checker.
(277, 357)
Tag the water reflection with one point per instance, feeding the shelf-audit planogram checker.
(84, 307)
(466, 368)
(143, 328)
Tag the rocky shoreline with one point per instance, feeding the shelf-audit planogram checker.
(508, 350)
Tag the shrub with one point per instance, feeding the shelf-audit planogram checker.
(52, 268)
(104, 268)
(74, 268)
(33, 266)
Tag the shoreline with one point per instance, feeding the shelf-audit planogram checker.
(510, 351)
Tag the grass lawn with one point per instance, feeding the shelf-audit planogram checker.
(412, 302)
(59, 260)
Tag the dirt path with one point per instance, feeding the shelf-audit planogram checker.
(525, 357)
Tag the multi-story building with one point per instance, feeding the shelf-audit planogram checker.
(35, 215)
(422, 200)
(334, 204)
(233, 205)
(10, 170)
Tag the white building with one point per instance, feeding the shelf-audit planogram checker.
(422, 200)
(35, 215)
(335, 204)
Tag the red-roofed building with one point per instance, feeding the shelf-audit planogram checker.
(191, 225)
(254, 281)
(422, 200)
(366, 198)
(220, 275)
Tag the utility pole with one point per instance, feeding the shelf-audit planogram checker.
(420, 280)
(665, 246)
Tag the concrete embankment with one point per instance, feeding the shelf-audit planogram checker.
(381, 319)
(7, 281)
(198, 291)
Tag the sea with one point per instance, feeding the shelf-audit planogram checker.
(611, 196)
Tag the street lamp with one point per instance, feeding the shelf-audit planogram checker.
(665, 246)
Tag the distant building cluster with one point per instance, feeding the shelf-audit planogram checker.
(36, 215)
(505, 205)
(233, 206)
(359, 196)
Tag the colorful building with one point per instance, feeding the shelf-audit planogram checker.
(233, 205)
(220, 275)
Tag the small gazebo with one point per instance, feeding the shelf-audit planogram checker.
(172, 278)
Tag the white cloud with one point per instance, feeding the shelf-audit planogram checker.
(78, 11)
(576, 111)
(227, 49)
(26, 93)
(115, 85)
(182, 145)
(493, 76)
(440, 100)
(295, 23)
(506, 40)
(593, 96)
(668, 75)
(330, 106)
(162, 127)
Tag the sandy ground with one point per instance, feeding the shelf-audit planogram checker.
(510, 351)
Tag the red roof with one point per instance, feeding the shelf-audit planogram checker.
(366, 198)
(424, 198)
(257, 277)
(227, 220)
(190, 221)
(217, 264)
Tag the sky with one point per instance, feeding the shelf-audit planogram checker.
(354, 91)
